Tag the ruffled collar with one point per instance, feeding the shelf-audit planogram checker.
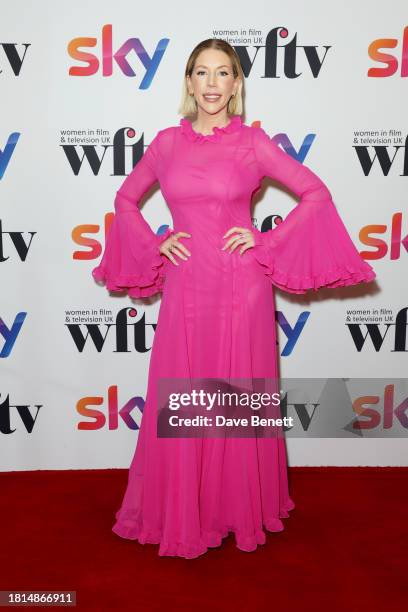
(187, 129)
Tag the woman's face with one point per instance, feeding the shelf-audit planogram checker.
(212, 80)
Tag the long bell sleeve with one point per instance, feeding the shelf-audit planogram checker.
(311, 247)
(131, 259)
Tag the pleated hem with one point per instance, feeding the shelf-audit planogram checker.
(208, 539)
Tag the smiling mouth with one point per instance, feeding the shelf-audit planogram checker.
(211, 97)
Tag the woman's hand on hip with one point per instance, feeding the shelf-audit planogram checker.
(242, 235)
(172, 245)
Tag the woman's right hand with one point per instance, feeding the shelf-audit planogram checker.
(172, 245)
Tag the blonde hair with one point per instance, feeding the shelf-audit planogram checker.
(188, 104)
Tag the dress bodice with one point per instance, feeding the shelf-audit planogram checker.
(208, 181)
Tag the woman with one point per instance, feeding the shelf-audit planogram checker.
(215, 272)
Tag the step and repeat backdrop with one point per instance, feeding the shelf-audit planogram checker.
(84, 88)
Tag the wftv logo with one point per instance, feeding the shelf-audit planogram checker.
(118, 147)
(13, 57)
(385, 160)
(378, 332)
(125, 322)
(17, 241)
(24, 412)
(290, 55)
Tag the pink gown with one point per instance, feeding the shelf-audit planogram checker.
(216, 319)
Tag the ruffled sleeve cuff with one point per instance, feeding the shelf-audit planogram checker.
(310, 249)
(132, 261)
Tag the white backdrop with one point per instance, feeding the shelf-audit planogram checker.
(59, 395)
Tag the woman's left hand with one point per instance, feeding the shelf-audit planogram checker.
(242, 236)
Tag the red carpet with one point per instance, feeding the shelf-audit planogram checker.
(344, 547)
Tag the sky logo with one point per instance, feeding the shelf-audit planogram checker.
(7, 152)
(150, 63)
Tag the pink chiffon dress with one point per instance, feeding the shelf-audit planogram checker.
(216, 319)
